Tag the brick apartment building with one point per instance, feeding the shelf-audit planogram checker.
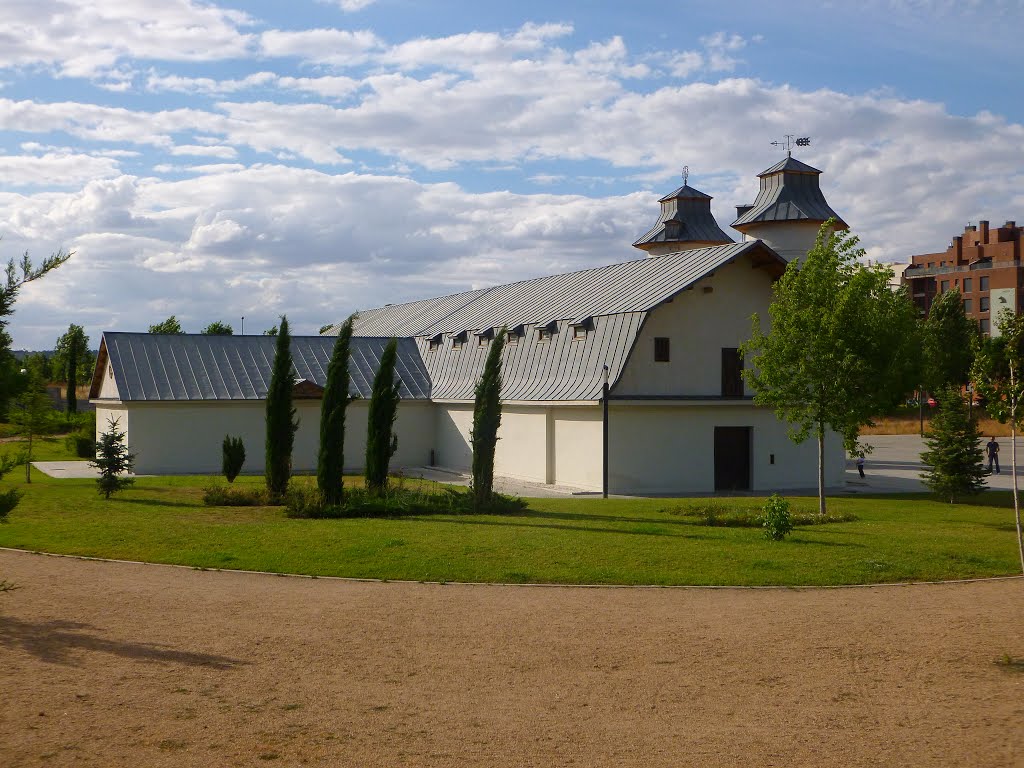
(984, 264)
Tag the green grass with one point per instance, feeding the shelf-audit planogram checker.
(562, 540)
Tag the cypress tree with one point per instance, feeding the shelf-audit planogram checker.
(331, 460)
(381, 441)
(486, 420)
(954, 452)
(281, 423)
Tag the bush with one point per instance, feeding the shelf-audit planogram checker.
(8, 501)
(233, 457)
(219, 496)
(776, 519)
(83, 446)
(394, 502)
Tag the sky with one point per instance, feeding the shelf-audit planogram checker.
(221, 160)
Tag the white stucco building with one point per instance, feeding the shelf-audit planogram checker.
(664, 330)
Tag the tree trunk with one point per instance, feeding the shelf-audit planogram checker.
(28, 460)
(821, 469)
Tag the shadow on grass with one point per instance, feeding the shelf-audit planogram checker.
(54, 641)
(558, 527)
(184, 503)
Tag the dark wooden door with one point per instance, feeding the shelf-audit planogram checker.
(732, 458)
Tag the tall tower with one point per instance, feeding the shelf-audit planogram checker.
(685, 223)
(788, 211)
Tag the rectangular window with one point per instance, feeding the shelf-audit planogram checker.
(983, 304)
(983, 325)
(944, 286)
(544, 334)
(459, 340)
(967, 284)
(481, 340)
(984, 284)
(967, 306)
(434, 343)
(732, 372)
(512, 338)
(661, 349)
(579, 331)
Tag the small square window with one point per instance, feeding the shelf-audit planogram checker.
(661, 349)
(459, 340)
(434, 343)
(983, 284)
(967, 284)
(544, 334)
(983, 304)
(579, 331)
(944, 286)
(512, 337)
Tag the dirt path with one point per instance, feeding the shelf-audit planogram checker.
(106, 664)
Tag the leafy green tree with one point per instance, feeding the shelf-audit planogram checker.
(71, 352)
(281, 423)
(997, 379)
(381, 442)
(325, 328)
(947, 343)
(113, 460)
(170, 326)
(33, 415)
(331, 459)
(217, 328)
(232, 457)
(15, 277)
(954, 453)
(486, 420)
(39, 365)
(841, 349)
(270, 331)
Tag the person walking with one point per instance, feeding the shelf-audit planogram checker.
(993, 454)
(860, 465)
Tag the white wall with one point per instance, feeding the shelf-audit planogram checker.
(578, 447)
(186, 437)
(108, 386)
(790, 239)
(698, 325)
(670, 448)
(522, 450)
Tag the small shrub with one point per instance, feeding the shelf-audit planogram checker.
(82, 445)
(8, 500)
(395, 501)
(113, 460)
(219, 496)
(233, 457)
(776, 519)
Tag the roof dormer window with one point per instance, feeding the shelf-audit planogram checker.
(515, 333)
(459, 339)
(434, 343)
(546, 330)
(484, 336)
(581, 327)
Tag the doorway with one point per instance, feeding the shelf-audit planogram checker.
(732, 458)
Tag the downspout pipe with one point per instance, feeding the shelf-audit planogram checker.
(604, 436)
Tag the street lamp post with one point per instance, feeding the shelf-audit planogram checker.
(604, 436)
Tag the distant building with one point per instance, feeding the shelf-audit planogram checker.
(984, 264)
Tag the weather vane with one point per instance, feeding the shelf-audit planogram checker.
(788, 142)
(686, 174)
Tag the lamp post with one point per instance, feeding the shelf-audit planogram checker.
(604, 436)
(241, 332)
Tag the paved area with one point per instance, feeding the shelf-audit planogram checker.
(893, 467)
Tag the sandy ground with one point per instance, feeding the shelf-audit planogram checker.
(111, 664)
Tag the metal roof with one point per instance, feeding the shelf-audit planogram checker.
(789, 192)
(409, 319)
(632, 286)
(198, 367)
(685, 218)
(615, 301)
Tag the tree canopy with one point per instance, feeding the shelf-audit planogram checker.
(217, 328)
(170, 325)
(841, 347)
(947, 343)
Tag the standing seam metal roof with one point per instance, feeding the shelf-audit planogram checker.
(409, 319)
(789, 191)
(197, 367)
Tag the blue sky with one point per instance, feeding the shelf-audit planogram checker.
(220, 160)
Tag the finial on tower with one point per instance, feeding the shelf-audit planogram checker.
(686, 174)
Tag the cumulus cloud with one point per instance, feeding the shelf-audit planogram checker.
(92, 39)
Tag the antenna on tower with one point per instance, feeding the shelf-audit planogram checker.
(686, 174)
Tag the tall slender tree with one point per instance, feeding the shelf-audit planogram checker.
(71, 358)
(954, 449)
(381, 441)
(281, 422)
(947, 343)
(486, 421)
(331, 460)
(998, 365)
(841, 348)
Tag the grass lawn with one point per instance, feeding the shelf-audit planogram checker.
(561, 540)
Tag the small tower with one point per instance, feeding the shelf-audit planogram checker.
(685, 223)
(788, 211)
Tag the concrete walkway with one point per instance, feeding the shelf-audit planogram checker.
(893, 467)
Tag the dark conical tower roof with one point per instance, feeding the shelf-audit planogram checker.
(789, 192)
(685, 222)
